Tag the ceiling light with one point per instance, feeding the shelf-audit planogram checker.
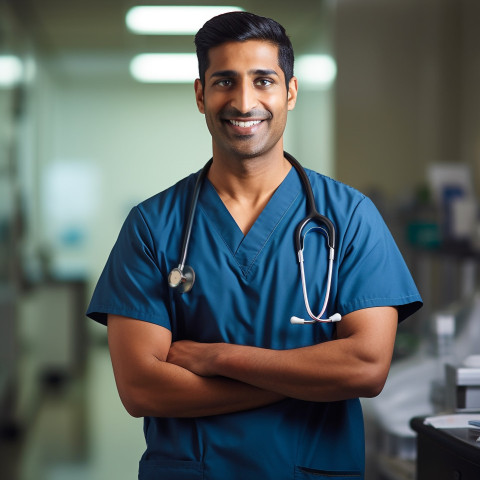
(11, 70)
(164, 67)
(171, 20)
(316, 71)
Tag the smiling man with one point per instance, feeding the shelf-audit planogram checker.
(229, 388)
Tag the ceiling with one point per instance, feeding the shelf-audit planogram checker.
(84, 27)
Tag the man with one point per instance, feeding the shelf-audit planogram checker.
(229, 388)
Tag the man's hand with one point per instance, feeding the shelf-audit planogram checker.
(195, 357)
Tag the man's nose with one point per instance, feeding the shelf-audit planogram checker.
(244, 97)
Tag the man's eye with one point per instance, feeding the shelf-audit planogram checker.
(264, 82)
(224, 83)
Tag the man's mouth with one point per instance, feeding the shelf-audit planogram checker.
(247, 124)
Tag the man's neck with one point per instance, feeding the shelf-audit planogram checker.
(246, 185)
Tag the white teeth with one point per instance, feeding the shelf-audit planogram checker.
(245, 124)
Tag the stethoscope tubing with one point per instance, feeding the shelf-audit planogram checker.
(193, 208)
(312, 210)
(316, 318)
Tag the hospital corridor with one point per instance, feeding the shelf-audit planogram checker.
(80, 431)
(98, 112)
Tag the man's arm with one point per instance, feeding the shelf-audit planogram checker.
(355, 364)
(149, 386)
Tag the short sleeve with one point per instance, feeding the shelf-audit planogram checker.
(373, 272)
(132, 284)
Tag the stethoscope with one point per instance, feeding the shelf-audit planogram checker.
(182, 277)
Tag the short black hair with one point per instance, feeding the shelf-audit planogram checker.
(240, 27)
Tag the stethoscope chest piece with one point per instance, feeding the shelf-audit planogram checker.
(181, 278)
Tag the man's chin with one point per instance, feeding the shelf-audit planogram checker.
(248, 151)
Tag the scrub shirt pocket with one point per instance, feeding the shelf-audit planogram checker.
(304, 473)
(170, 469)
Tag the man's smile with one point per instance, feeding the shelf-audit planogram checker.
(243, 128)
(249, 123)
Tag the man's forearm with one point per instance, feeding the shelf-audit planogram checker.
(150, 386)
(166, 390)
(354, 365)
(326, 372)
(322, 373)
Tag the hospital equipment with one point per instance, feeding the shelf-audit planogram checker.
(463, 387)
(183, 276)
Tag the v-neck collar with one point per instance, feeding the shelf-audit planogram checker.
(246, 248)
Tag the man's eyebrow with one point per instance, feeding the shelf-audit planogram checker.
(224, 73)
(266, 72)
(234, 73)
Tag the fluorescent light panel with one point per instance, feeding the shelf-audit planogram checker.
(11, 71)
(164, 67)
(172, 20)
(316, 71)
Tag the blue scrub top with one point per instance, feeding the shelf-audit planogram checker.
(246, 290)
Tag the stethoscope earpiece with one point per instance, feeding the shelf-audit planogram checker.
(336, 317)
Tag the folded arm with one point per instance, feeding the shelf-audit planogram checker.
(355, 364)
(150, 386)
(189, 379)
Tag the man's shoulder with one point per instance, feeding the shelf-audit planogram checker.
(329, 186)
(178, 193)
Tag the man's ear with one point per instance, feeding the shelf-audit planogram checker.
(292, 93)
(199, 95)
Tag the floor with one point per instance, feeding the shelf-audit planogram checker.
(79, 432)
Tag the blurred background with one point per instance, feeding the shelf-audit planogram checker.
(389, 103)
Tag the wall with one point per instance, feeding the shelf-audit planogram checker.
(470, 91)
(407, 90)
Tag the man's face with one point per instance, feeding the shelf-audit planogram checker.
(244, 99)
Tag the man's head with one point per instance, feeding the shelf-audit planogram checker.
(240, 27)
